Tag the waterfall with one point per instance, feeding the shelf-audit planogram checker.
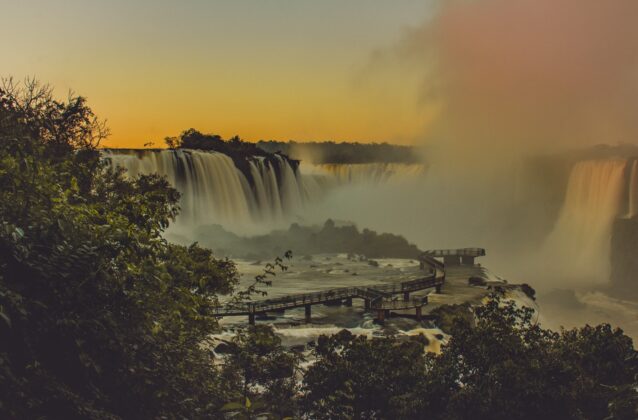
(271, 194)
(368, 173)
(579, 245)
(633, 190)
(215, 191)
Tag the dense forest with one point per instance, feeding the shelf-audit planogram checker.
(344, 152)
(102, 318)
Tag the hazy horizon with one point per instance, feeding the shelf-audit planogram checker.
(282, 70)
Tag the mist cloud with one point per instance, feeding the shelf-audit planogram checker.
(514, 75)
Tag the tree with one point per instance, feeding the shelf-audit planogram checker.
(502, 365)
(261, 370)
(498, 364)
(100, 317)
(354, 377)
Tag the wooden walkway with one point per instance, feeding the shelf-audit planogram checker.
(381, 298)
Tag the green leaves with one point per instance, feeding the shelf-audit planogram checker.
(498, 364)
(99, 316)
(259, 366)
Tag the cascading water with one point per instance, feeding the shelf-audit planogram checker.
(369, 173)
(215, 191)
(633, 190)
(579, 245)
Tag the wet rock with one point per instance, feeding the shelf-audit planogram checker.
(529, 291)
(224, 348)
(299, 348)
(476, 281)
(421, 338)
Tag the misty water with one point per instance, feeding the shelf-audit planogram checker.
(543, 222)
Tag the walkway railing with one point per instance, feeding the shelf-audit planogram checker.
(378, 296)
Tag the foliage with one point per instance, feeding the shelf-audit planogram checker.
(328, 238)
(446, 315)
(498, 364)
(262, 279)
(261, 370)
(100, 316)
(503, 365)
(355, 377)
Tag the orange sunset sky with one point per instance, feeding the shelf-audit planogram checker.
(467, 74)
(280, 69)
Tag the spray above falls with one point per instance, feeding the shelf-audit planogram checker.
(260, 194)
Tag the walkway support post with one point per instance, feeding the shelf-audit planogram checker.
(438, 289)
(406, 295)
(381, 315)
(251, 319)
(308, 313)
(366, 303)
(466, 260)
(418, 313)
(452, 260)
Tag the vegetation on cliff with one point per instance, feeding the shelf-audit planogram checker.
(305, 240)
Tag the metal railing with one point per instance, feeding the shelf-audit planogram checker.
(379, 296)
(461, 252)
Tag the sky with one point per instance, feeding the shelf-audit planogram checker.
(276, 69)
(471, 77)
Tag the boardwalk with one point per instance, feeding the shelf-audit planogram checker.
(379, 298)
(454, 257)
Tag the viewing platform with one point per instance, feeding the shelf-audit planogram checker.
(454, 257)
(381, 298)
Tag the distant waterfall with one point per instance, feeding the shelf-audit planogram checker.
(580, 242)
(215, 191)
(633, 190)
(368, 173)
